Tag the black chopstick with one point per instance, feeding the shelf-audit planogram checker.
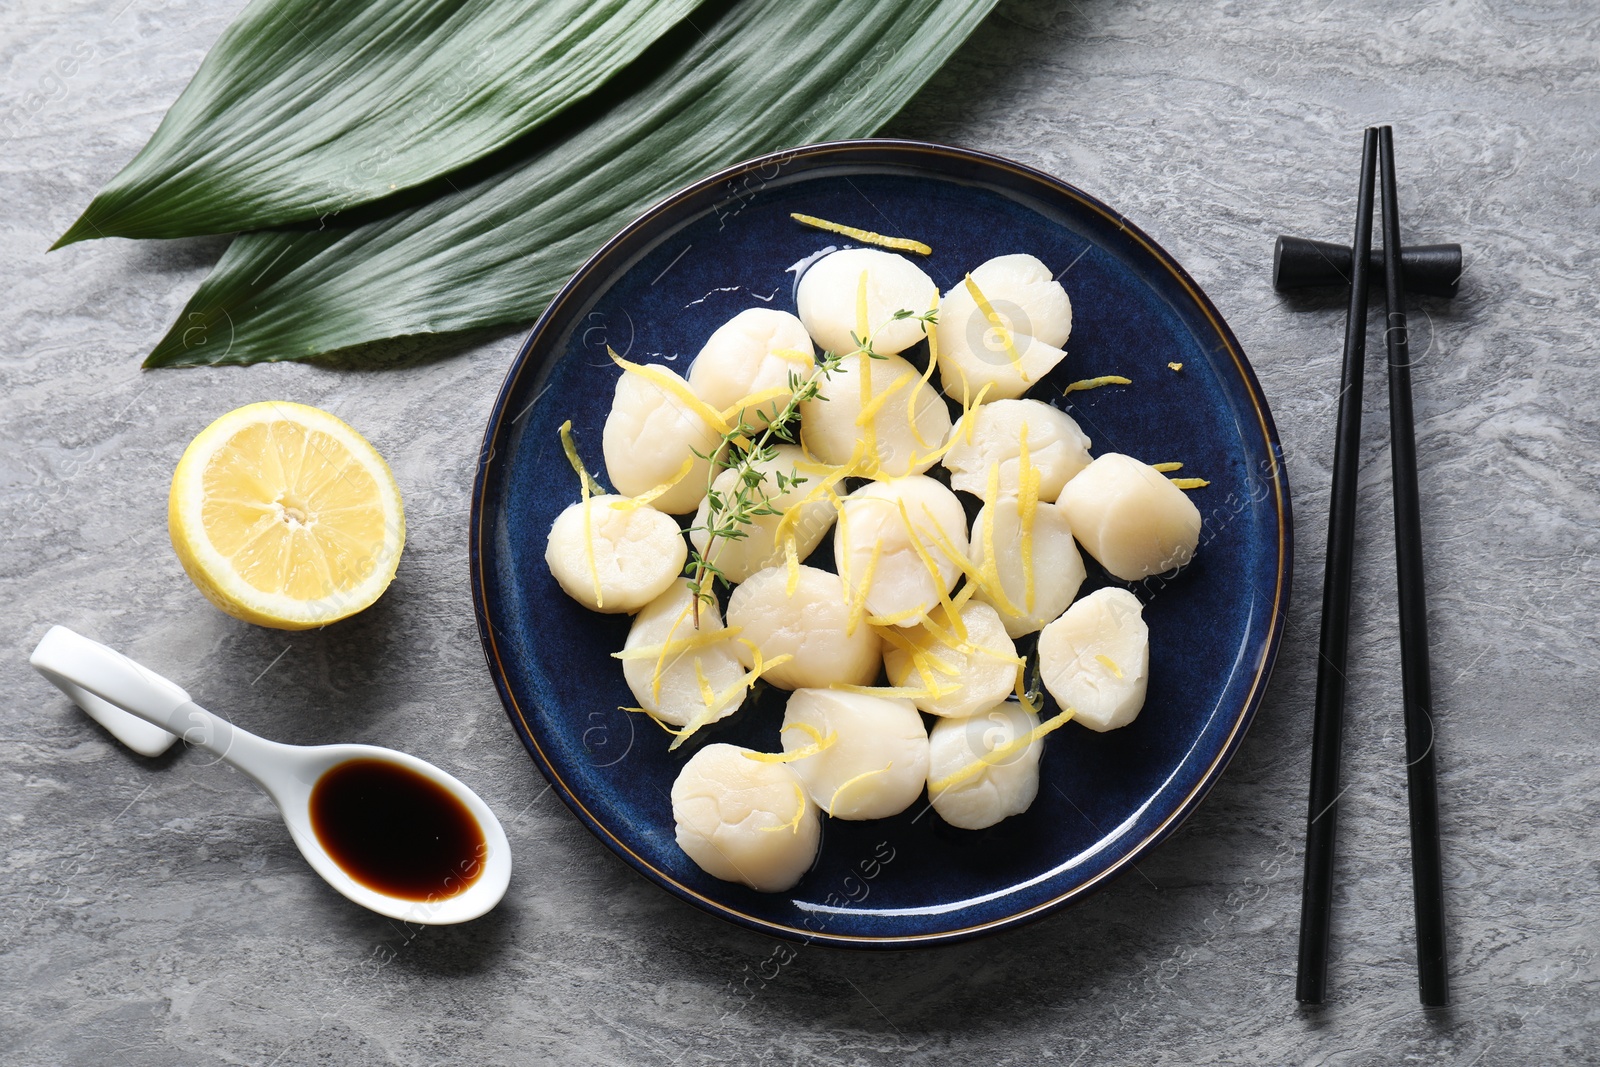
(1427, 881)
(1328, 728)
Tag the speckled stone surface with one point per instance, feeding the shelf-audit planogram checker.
(155, 913)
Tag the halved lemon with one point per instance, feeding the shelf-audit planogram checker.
(284, 516)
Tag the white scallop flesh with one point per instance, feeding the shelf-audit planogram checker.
(903, 433)
(636, 552)
(649, 434)
(667, 624)
(1095, 659)
(955, 676)
(736, 818)
(1130, 517)
(997, 791)
(826, 298)
(740, 557)
(876, 547)
(876, 762)
(812, 624)
(992, 434)
(1033, 310)
(1028, 597)
(752, 352)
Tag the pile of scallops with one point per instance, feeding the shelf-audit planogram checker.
(901, 660)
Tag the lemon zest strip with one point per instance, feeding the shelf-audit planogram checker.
(570, 447)
(794, 355)
(994, 319)
(926, 557)
(1175, 366)
(1109, 664)
(753, 400)
(793, 824)
(1095, 383)
(633, 503)
(858, 594)
(675, 386)
(990, 571)
(1189, 483)
(677, 645)
(994, 756)
(899, 244)
(791, 560)
(852, 781)
(927, 374)
(893, 620)
(1166, 467)
(870, 409)
(821, 745)
(719, 701)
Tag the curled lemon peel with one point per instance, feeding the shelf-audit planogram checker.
(870, 409)
(1165, 468)
(1189, 483)
(795, 356)
(799, 811)
(925, 664)
(830, 477)
(1095, 383)
(963, 564)
(708, 696)
(899, 244)
(753, 400)
(1108, 663)
(821, 744)
(570, 447)
(633, 503)
(869, 429)
(661, 657)
(927, 375)
(994, 756)
(718, 701)
(676, 646)
(940, 586)
(676, 387)
(895, 619)
(791, 561)
(588, 545)
(1175, 366)
(989, 573)
(653, 716)
(994, 320)
(858, 594)
(837, 793)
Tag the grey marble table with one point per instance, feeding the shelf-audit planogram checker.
(155, 913)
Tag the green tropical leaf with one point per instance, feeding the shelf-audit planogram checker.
(307, 108)
(749, 78)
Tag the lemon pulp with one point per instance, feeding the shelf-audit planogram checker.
(284, 516)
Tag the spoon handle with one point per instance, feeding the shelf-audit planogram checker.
(81, 667)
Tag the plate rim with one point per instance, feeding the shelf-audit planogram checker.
(1278, 478)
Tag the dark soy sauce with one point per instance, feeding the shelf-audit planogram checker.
(396, 831)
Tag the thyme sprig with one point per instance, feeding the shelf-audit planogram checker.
(729, 514)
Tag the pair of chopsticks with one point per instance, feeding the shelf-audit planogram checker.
(1421, 779)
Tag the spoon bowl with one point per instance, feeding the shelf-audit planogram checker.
(289, 774)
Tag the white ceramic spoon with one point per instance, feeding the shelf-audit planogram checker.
(80, 667)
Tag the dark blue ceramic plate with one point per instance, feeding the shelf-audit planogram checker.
(655, 293)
